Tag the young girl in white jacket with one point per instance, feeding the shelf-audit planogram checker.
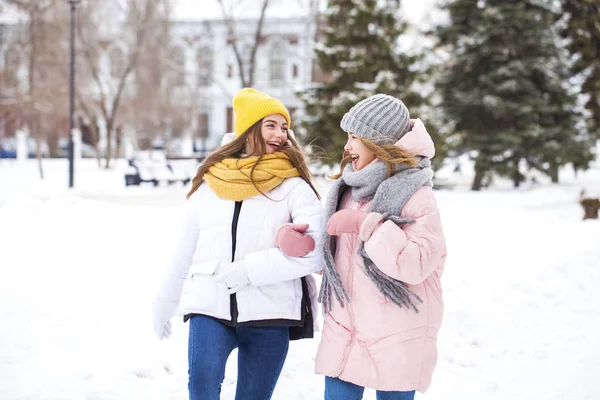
(229, 279)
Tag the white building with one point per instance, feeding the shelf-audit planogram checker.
(206, 69)
(210, 75)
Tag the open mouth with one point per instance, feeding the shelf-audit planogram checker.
(274, 145)
(354, 160)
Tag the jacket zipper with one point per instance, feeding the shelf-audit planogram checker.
(233, 307)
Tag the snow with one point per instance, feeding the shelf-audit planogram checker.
(78, 269)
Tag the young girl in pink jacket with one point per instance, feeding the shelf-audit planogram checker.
(384, 254)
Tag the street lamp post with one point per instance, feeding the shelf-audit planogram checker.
(73, 4)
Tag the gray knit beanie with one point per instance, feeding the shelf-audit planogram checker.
(380, 118)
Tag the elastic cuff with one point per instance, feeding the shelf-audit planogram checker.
(256, 265)
(371, 222)
(278, 229)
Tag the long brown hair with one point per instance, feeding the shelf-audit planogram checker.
(235, 149)
(388, 153)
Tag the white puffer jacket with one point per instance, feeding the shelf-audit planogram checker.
(275, 290)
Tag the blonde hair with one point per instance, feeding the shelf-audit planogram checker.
(236, 147)
(390, 154)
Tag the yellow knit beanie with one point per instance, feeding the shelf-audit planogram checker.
(250, 106)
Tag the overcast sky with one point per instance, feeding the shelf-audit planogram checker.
(419, 12)
(416, 10)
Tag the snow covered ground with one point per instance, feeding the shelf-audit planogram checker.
(78, 269)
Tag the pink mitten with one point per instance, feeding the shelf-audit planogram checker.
(354, 221)
(293, 241)
(346, 221)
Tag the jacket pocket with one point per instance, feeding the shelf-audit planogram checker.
(205, 267)
(200, 292)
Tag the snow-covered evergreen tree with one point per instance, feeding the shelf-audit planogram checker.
(582, 29)
(506, 88)
(359, 57)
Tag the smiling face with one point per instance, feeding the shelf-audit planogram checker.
(361, 156)
(274, 132)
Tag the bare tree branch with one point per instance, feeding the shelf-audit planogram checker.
(134, 58)
(112, 89)
(91, 63)
(228, 18)
(246, 75)
(140, 34)
(40, 100)
(257, 40)
(32, 5)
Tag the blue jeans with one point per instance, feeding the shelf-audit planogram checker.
(337, 389)
(261, 354)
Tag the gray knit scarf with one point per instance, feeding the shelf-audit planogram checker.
(389, 197)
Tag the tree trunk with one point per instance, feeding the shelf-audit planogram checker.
(39, 158)
(53, 145)
(553, 172)
(95, 134)
(109, 129)
(32, 122)
(118, 140)
(517, 178)
(591, 206)
(478, 180)
(98, 156)
(167, 143)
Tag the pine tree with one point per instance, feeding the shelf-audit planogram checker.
(360, 57)
(506, 88)
(582, 29)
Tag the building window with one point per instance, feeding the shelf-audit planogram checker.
(204, 59)
(9, 78)
(229, 71)
(178, 66)
(277, 72)
(277, 65)
(12, 58)
(229, 123)
(203, 123)
(295, 70)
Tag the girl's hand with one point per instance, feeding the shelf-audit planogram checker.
(235, 277)
(163, 312)
(354, 221)
(346, 221)
(293, 241)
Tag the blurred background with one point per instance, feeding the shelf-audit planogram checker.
(107, 107)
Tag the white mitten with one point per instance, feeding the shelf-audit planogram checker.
(235, 277)
(163, 313)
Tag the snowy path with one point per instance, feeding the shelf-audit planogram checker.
(77, 272)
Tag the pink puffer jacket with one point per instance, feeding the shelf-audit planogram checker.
(372, 342)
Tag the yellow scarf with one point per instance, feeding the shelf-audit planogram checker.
(230, 178)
